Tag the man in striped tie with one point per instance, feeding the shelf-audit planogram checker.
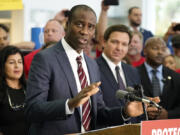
(63, 94)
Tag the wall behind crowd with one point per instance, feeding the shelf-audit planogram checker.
(36, 9)
(37, 12)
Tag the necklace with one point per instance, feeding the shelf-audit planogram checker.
(14, 107)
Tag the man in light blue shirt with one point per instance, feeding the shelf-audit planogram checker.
(159, 81)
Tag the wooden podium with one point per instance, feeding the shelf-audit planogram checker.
(129, 129)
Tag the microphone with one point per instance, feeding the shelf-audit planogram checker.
(122, 94)
(135, 92)
(130, 89)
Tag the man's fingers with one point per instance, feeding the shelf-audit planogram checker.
(155, 99)
(92, 86)
(91, 89)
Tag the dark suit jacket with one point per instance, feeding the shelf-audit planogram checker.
(170, 99)
(109, 84)
(51, 82)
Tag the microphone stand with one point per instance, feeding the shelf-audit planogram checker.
(140, 91)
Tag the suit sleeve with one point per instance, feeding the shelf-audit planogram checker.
(174, 107)
(38, 108)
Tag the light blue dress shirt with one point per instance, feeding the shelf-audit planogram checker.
(159, 74)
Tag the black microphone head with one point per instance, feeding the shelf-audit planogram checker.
(120, 94)
(132, 90)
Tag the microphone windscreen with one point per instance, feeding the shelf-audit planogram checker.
(130, 89)
(120, 94)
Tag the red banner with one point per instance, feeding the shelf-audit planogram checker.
(161, 127)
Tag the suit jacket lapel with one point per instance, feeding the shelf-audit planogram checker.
(145, 80)
(127, 75)
(108, 73)
(167, 84)
(92, 80)
(90, 70)
(66, 67)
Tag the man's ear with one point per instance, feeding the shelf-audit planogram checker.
(104, 43)
(128, 17)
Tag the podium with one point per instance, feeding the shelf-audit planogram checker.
(129, 129)
(154, 127)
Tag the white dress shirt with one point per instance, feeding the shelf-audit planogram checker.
(112, 67)
(72, 55)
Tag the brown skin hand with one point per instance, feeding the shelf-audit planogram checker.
(84, 95)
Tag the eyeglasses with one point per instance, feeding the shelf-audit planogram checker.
(13, 106)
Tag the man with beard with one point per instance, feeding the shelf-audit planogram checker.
(135, 19)
(135, 49)
(160, 81)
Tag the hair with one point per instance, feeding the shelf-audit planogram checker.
(4, 27)
(117, 28)
(131, 9)
(139, 35)
(170, 55)
(78, 7)
(4, 54)
(176, 41)
(153, 40)
(50, 20)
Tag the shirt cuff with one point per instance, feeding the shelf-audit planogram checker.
(124, 115)
(68, 111)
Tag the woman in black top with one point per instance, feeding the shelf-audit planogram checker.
(12, 92)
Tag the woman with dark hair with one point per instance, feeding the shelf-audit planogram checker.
(12, 92)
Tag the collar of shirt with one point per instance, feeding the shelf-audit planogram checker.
(72, 55)
(112, 67)
(70, 51)
(149, 69)
(159, 73)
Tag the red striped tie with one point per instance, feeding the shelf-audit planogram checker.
(86, 107)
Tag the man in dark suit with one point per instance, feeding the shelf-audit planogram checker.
(116, 40)
(159, 81)
(62, 80)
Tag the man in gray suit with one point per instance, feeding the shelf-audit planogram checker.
(55, 94)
